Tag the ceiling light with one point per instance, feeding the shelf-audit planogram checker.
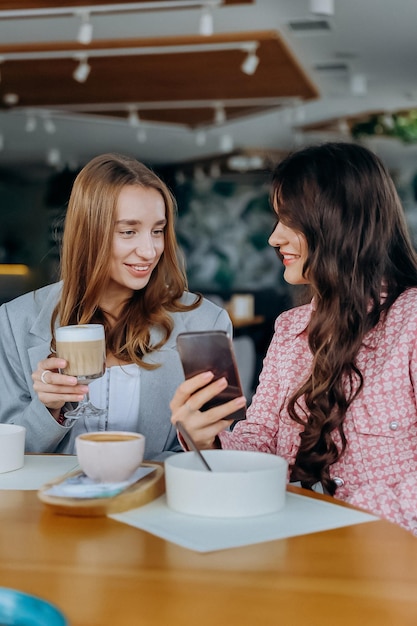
(322, 7)
(53, 157)
(206, 22)
(245, 163)
(299, 113)
(343, 127)
(358, 85)
(31, 124)
(219, 113)
(10, 98)
(133, 118)
(141, 135)
(250, 64)
(199, 174)
(201, 138)
(85, 32)
(14, 269)
(82, 71)
(180, 178)
(298, 138)
(388, 121)
(226, 143)
(49, 125)
(215, 170)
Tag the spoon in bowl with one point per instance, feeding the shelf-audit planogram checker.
(191, 444)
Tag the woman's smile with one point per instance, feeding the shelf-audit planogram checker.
(292, 248)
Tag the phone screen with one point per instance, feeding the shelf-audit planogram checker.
(212, 350)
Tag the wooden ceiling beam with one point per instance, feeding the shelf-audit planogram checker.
(120, 77)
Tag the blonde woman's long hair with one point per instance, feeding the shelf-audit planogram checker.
(85, 261)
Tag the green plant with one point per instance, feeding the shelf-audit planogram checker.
(401, 125)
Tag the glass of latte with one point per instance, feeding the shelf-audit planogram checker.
(83, 347)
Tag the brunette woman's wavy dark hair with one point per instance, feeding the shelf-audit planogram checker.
(360, 258)
(86, 256)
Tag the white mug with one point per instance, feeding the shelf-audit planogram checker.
(12, 447)
(242, 306)
(110, 456)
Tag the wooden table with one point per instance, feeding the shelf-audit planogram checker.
(102, 572)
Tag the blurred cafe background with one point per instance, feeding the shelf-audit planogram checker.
(210, 94)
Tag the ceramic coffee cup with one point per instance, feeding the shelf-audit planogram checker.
(12, 447)
(110, 456)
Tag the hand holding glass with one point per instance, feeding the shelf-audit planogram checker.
(83, 347)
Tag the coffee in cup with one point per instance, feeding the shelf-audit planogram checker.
(110, 456)
(83, 347)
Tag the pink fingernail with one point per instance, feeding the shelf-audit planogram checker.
(221, 382)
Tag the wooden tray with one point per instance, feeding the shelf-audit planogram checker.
(142, 492)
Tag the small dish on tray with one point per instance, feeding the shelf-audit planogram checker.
(141, 492)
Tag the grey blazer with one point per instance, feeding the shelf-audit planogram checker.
(25, 340)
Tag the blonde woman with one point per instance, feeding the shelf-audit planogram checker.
(120, 267)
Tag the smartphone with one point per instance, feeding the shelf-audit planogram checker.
(212, 350)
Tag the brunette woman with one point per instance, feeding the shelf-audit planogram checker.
(337, 396)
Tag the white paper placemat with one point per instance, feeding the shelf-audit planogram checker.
(301, 515)
(38, 470)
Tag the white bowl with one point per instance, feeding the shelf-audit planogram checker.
(242, 483)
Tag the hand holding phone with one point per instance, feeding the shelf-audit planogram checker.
(212, 350)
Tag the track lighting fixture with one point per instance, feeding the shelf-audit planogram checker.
(215, 170)
(10, 98)
(358, 85)
(250, 64)
(135, 122)
(299, 114)
(49, 125)
(31, 124)
(101, 8)
(85, 32)
(53, 157)
(199, 174)
(133, 118)
(201, 138)
(226, 143)
(343, 127)
(322, 7)
(141, 135)
(180, 177)
(83, 69)
(219, 113)
(206, 22)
